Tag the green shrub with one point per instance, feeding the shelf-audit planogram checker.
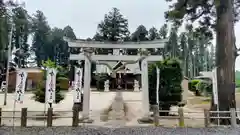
(237, 83)
(170, 92)
(192, 85)
(39, 92)
(64, 83)
(204, 87)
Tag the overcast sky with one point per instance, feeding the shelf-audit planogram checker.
(84, 15)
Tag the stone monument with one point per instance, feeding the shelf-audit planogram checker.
(106, 86)
(136, 85)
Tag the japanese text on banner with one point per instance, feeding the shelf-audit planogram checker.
(20, 85)
(51, 85)
(78, 85)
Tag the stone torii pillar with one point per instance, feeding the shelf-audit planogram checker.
(86, 89)
(145, 89)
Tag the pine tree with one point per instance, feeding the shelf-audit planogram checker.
(21, 32)
(113, 28)
(153, 34)
(41, 31)
(39, 93)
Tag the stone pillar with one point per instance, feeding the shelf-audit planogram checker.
(136, 86)
(144, 79)
(106, 86)
(86, 90)
(184, 85)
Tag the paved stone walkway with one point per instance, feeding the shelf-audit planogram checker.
(117, 116)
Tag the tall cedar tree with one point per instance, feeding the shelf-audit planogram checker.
(113, 28)
(219, 15)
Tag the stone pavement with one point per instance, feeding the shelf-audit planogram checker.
(98, 102)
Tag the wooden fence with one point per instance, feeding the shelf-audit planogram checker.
(157, 119)
(232, 115)
(49, 117)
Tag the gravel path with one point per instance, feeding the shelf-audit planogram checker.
(118, 131)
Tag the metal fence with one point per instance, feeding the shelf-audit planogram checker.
(25, 118)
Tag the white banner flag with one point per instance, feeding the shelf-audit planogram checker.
(158, 83)
(77, 85)
(50, 85)
(20, 85)
(214, 86)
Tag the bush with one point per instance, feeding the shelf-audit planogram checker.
(39, 92)
(237, 83)
(199, 86)
(64, 83)
(192, 85)
(170, 92)
(204, 87)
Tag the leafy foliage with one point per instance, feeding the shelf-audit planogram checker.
(192, 85)
(170, 92)
(21, 31)
(140, 34)
(153, 34)
(200, 86)
(39, 93)
(204, 87)
(114, 27)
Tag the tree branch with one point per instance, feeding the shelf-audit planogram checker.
(197, 16)
(184, 5)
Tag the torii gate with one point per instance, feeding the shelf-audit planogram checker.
(88, 57)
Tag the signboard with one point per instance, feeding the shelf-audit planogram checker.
(20, 85)
(77, 85)
(215, 90)
(50, 85)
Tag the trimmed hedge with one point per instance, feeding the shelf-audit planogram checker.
(170, 92)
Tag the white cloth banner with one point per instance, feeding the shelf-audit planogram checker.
(158, 83)
(20, 85)
(50, 85)
(77, 85)
(214, 83)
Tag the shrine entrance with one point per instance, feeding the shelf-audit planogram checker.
(140, 61)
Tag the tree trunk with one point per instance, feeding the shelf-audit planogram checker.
(225, 55)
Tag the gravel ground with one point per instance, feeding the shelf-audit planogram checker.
(117, 131)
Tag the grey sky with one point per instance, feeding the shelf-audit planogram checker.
(84, 15)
